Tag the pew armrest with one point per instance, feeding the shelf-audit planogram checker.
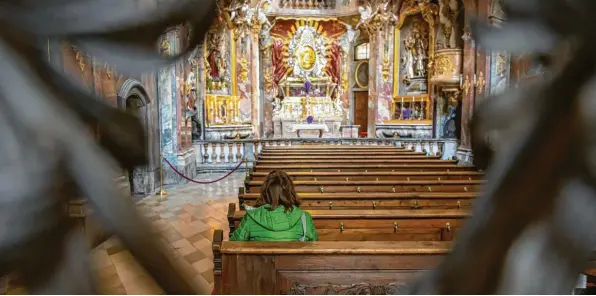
(231, 214)
(217, 260)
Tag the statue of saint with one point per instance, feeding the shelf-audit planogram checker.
(407, 59)
(420, 49)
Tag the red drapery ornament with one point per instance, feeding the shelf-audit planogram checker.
(334, 62)
(280, 68)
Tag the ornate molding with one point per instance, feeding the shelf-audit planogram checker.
(356, 289)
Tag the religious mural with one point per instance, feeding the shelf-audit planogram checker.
(500, 72)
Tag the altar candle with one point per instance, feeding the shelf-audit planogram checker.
(460, 80)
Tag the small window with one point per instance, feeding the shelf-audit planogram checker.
(362, 51)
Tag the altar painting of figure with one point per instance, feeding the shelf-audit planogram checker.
(217, 62)
(500, 72)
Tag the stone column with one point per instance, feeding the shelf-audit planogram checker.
(255, 78)
(464, 151)
(373, 69)
(243, 75)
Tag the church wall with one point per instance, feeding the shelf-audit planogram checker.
(105, 82)
(175, 127)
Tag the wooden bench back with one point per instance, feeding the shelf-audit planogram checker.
(361, 167)
(375, 200)
(332, 152)
(423, 161)
(341, 156)
(378, 186)
(378, 225)
(374, 175)
(322, 267)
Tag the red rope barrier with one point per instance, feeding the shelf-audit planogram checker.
(200, 182)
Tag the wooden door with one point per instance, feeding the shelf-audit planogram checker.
(361, 110)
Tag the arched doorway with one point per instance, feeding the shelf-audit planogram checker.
(133, 98)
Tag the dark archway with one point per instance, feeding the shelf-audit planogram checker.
(133, 98)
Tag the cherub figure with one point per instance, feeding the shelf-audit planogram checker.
(365, 14)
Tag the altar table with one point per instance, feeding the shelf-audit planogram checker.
(300, 127)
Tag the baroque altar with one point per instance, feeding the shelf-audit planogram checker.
(308, 94)
(308, 103)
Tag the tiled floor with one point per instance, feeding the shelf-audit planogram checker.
(185, 220)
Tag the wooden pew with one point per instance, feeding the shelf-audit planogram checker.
(385, 161)
(374, 175)
(377, 186)
(320, 267)
(374, 200)
(361, 167)
(379, 225)
(343, 158)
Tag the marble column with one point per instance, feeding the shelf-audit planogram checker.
(243, 76)
(373, 64)
(175, 146)
(255, 78)
(464, 151)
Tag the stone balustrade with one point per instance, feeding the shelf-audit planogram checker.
(225, 154)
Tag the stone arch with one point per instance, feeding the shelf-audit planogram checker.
(141, 182)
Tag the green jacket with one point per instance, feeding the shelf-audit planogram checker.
(261, 224)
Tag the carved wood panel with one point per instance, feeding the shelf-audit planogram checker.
(345, 282)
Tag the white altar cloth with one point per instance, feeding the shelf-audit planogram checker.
(302, 127)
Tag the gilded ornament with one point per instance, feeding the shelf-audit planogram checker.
(80, 59)
(244, 69)
(443, 66)
(108, 71)
(385, 70)
(306, 57)
(268, 80)
(465, 87)
(165, 47)
(480, 83)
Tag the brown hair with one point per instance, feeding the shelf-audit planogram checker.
(278, 189)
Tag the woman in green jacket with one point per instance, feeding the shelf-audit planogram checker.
(277, 217)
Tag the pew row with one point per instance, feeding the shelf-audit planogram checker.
(423, 161)
(361, 167)
(378, 225)
(320, 267)
(374, 200)
(342, 157)
(377, 186)
(373, 175)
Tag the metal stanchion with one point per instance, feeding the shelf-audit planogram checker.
(161, 192)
